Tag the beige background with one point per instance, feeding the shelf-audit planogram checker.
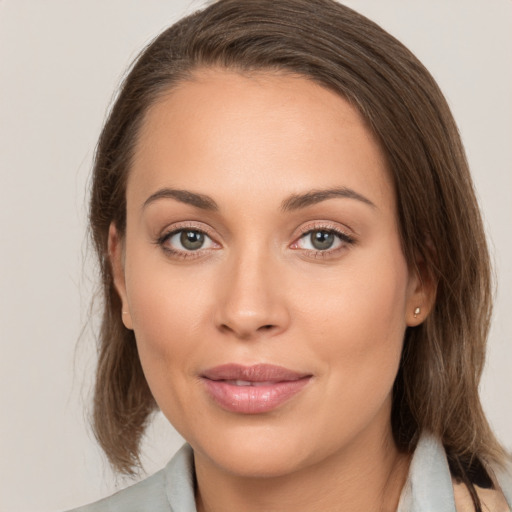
(59, 64)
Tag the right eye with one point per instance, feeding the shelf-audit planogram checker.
(186, 241)
(321, 240)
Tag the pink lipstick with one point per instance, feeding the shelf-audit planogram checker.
(252, 389)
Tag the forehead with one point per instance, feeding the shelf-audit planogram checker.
(262, 132)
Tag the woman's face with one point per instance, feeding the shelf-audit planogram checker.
(262, 271)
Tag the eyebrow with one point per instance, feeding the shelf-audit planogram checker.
(201, 201)
(292, 203)
(299, 201)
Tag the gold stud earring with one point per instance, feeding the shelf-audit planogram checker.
(417, 311)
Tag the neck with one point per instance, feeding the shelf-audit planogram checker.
(367, 475)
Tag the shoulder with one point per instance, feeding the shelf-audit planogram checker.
(503, 477)
(170, 489)
(492, 499)
(497, 499)
(430, 485)
(148, 494)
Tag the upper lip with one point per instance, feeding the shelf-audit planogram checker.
(253, 373)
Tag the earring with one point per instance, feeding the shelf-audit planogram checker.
(417, 311)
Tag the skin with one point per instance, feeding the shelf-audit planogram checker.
(259, 292)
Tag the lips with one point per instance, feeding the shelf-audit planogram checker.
(252, 389)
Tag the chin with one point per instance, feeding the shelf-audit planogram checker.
(272, 446)
(259, 451)
(258, 461)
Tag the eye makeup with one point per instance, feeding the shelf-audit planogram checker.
(192, 240)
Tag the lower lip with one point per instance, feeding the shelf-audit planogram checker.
(253, 399)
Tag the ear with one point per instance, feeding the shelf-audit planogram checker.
(116, 256)
(421, 294)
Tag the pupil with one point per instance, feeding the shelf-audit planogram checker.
(192, 240)
(322, 240)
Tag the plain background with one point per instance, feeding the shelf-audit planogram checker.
(60, 62)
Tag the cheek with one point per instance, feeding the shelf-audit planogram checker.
(168, 311)
(368, 295)
(358, 321)
(162, 296)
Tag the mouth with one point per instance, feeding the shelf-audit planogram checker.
(252, 389)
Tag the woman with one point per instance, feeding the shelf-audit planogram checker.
(276, 208)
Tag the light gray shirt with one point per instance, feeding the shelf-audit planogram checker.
(429, 486)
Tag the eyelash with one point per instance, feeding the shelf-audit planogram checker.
(182, 254)
(345, 239)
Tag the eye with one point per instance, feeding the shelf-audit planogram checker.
(319, 240)
(323, 240)
(186, 240)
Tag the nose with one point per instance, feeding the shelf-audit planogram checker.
(252, 300)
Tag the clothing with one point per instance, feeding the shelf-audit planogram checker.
(429, 487)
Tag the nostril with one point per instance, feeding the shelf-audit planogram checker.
(266, 327)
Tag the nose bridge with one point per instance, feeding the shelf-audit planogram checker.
(252, 300)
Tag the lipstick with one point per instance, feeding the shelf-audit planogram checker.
(252, 389)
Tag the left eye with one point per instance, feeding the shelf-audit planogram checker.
(320, 240)
(189, 240)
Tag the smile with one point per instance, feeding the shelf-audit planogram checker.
(248, 383)
(252, 389)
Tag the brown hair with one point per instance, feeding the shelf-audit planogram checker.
(436, 389)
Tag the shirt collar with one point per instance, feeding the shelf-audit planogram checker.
(428, 488)
(429, 485)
